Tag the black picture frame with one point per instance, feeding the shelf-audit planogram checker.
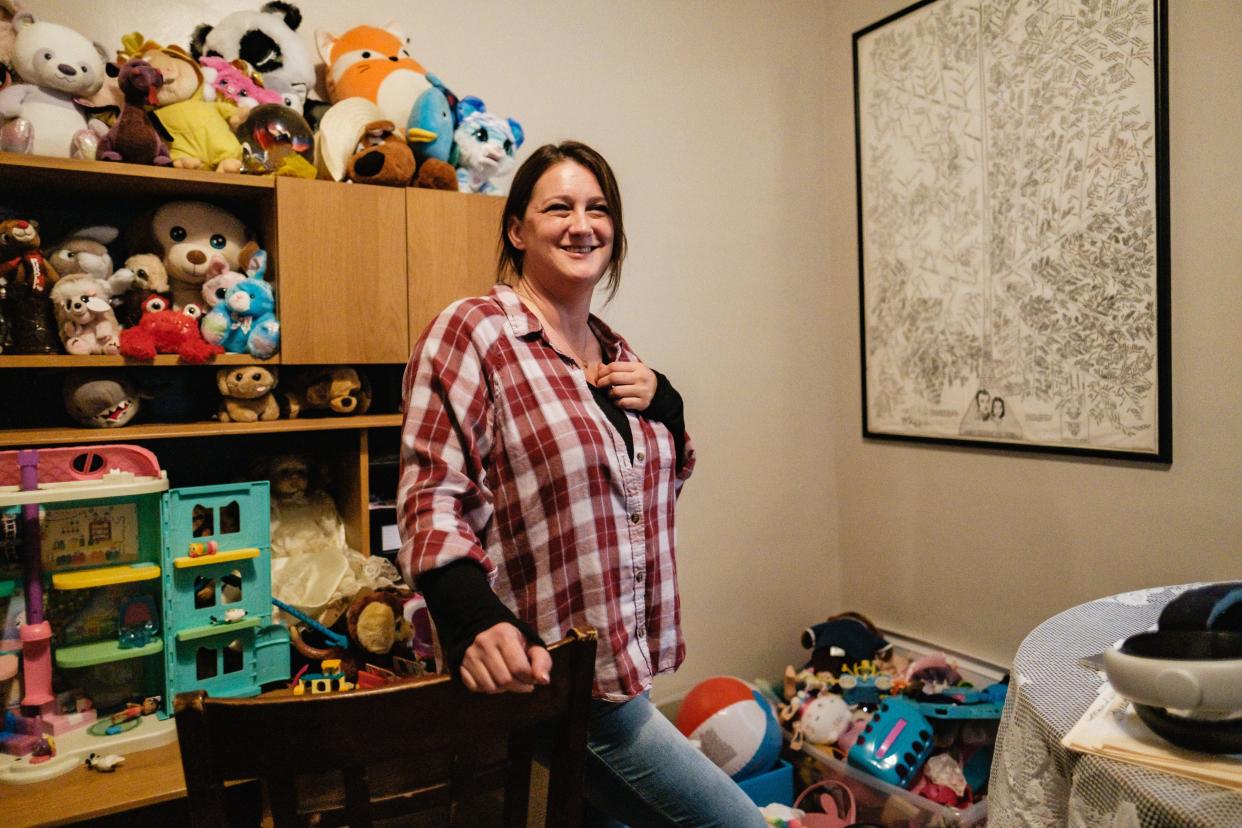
(1013, 227)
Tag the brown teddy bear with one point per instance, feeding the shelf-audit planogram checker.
(338, 389)
(246, 393)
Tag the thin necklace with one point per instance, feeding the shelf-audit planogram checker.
(553, 333)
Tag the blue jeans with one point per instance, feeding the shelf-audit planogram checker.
(641, 771)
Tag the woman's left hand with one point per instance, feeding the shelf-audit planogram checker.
(631, 384)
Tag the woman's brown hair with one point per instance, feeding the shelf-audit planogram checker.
(540, 161)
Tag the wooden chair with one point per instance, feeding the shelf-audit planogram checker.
(428, 745)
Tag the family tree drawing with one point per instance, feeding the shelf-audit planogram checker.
(1008, 210)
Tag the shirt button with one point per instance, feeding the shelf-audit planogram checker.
(641, 632)
(635, 518)
(640, 457)
(640, 576)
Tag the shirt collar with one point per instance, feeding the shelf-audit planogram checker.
(524, 322)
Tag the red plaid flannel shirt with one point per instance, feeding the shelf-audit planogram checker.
(507, 459)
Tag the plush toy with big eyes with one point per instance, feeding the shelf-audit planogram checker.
(163, 330)
(190, 237)
(487, 146)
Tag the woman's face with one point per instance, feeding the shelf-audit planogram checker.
(566, 233)
(998, 408)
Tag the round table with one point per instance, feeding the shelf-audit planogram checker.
(1035, 781)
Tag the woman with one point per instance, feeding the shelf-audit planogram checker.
(535, 496)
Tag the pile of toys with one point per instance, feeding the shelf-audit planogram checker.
(239, 97)
(914, 723)
(193, 284)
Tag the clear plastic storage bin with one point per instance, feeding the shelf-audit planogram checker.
(876, 800)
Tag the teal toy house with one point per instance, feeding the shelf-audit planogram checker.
(150, 591)
(219, 634)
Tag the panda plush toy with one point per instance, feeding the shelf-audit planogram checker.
(267, 39)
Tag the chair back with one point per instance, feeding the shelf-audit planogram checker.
(428, 745)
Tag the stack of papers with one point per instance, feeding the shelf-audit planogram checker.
(1111, 728)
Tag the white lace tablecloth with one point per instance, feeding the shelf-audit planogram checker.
(1037, 782)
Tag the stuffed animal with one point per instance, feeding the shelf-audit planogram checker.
(245, 322)
(376, 620)
(133, 138)
(372, 63)
(235, 81)
(357, 143)
(57, 65)
(147, 275)
(163, 330)
(188, 236)
(9, 9)
(85, 251)
(199, 132)
(100, 399)
(486, 146)
(246, 393)
(429, 132)
(268, 41)
(85, 319)
(217, 285)
(28, 278)
(339, 389)
(841, 641)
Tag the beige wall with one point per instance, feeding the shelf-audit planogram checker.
(973, 549)
(730, 125)
(713, 115)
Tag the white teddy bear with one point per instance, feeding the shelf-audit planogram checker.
(86, 321)
(58, 66)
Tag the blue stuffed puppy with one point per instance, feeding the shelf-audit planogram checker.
(245, 321)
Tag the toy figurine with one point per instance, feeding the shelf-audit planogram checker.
(104, 763)
(166, 331)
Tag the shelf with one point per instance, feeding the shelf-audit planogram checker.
(102, 652)
(25, 173)
(185, 562)
(162, 431)
(195, 633)
(105, 576)
(105, 361)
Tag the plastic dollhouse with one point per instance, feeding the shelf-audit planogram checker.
(131, 593)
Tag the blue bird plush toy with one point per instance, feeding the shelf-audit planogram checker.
(432, 121)
(245, 321)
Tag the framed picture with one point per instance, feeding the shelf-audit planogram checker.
(1013, 226)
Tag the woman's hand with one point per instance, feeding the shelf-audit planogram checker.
(631, 384)
(500, 661)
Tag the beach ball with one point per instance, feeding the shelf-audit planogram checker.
(732, 724)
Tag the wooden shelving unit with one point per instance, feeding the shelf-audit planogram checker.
(358, 271)
(167, 431)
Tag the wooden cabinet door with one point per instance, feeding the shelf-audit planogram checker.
(341, 272)
(452, 240)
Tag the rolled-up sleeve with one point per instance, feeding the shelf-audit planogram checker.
(444, 506)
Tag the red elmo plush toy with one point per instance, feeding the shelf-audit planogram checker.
(162, 330)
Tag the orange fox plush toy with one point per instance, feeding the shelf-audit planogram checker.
(373, 63)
